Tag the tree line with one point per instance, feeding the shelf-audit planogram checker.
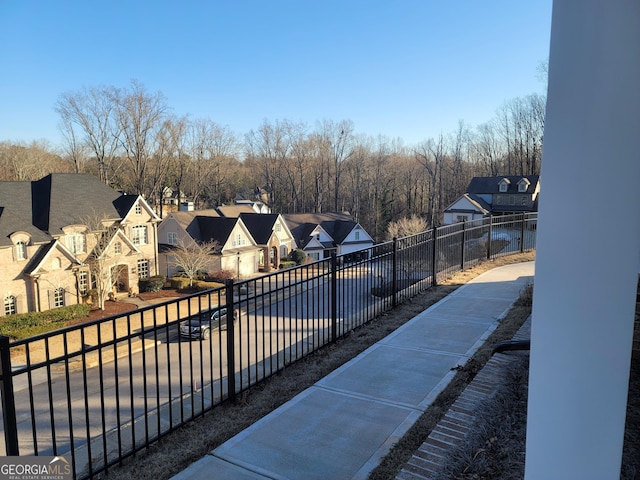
(130, 138)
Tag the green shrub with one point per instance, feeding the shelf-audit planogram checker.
(297, 256)
(23, 325)
(151, 284)
(287, 264)
(179, 283)
(201, 285)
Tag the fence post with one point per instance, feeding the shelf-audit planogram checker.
(394, 273)
(8, 399)
(489, 238)
(464, 240)
(522, 232)
(434, 257)
(334, 297)
(231, 363)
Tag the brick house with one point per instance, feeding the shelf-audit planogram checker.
(49, 239)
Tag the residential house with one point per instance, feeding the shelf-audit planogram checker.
(238, 250)
(49, 231)
(487, 196)
(272, 235)
(321, 234)
(257, 205)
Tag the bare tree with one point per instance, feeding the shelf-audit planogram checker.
(73, 146)
(405, 227)
(140, 116)
(193, 257)
(102, 258)
(92, 111)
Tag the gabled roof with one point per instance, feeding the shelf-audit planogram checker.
(490, 185)
(260, 225)
(185, 219)
(36, 263)
(478, 204)
(337, 225)
(234, 211)
(206, 229)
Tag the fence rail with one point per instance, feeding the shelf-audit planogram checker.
(103, 390)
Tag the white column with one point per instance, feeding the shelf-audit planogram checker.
(588, 243)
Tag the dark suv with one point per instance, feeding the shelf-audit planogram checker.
(200, 325)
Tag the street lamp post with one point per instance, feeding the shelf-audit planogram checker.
(238, 256)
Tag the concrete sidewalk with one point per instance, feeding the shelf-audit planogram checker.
(342, 426)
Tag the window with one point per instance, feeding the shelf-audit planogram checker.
(76, 243)
(143, 268)
(138, 209)
(314, 255)
(523, 200)
(461, 218)
(512, 200)
(238, 241)
(58, 297)
(278, 227)
(499, 199)
(21, 250)
(139, 234)
(172, 238)
(117, 248)
(503, 186)
(357, 235)
(56, 264)
(82, 282)
(10, 305)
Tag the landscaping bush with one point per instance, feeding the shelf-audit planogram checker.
(287, 264)
(151, 284)
(179, 283)
(297, 256)
(221, 276)
(201, 285)
(23, 325)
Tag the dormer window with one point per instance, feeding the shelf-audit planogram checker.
(76, 243)
(503, 186)
(523, 185)
(21, 250)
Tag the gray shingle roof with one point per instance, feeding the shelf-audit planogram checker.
(479, 185)
(43, 207)
(260, 225)
(62, 199)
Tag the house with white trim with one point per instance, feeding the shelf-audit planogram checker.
(49, 231)
(487, 196)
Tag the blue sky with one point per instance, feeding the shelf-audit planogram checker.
(410, 68)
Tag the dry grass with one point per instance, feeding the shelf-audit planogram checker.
(177, 451)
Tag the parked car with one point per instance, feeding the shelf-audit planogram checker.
(201, 325)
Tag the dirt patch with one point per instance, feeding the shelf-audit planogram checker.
(191, 442)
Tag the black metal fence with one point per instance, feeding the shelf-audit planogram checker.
(100, 391)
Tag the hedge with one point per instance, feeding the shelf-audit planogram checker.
(287, 264)
(180, 283)
(151, 284)
(23, 325)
